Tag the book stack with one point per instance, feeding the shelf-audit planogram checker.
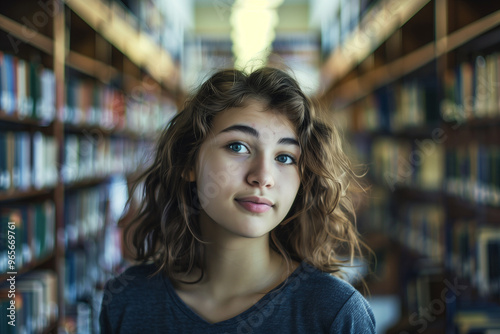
(401, 163)
(410, 104)
(422, 230)
(35, 303)
(27, 89)
(472, 90)
(34, 232)
(27, 160)
(91, 155)
(90, 103)
(473, 172)
(84, 214)
(474, 258)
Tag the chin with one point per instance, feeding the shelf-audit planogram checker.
(250, 231)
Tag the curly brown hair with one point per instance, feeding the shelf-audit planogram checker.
(319, 227)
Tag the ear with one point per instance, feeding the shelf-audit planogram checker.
(189, 175)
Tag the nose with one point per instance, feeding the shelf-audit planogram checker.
(261, 172)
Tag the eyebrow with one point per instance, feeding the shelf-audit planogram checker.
(253, 132)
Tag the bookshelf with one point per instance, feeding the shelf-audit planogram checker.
(83, 92)
(419, 96)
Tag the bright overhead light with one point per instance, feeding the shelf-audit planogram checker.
(253, 23)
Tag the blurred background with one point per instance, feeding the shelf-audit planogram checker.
(86, 85)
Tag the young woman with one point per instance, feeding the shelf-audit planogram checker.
(246, 210)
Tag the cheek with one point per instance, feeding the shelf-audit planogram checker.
(215, 178)
(292, 182)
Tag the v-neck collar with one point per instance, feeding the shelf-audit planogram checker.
(188, 311)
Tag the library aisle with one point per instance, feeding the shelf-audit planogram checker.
(86, 86)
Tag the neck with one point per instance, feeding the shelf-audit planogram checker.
(239, 266)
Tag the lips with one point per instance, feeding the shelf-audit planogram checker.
(255, 204)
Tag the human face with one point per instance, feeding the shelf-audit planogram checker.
(251, 156)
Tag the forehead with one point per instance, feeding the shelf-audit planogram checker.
(255, 114)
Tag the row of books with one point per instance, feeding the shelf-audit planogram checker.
(89, 156)
(393, 108)
(421, 228)
(92, 103)
(84, 213)
(338, 20)
(375, 216)
(94, 251)
(35, 303)
(477, 320)
(475, 254)
(26, 89)
(88, 212)
(467, 171)
(86, 271)
(163, 21)
(473, 172)
(472, 252)
(417, 164)
(301, 53)
(87, 268)
(27, 160)
(202, 55)
(34, 233)
(91, 218)
(472, 90)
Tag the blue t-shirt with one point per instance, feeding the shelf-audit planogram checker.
(309, 301)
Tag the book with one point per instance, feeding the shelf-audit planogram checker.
(34, 301)
(488, 271)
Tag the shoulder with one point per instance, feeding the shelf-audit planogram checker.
(135, 280)
(130, 298)
(324, 285)
(337, 300)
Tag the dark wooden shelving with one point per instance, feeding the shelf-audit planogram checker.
(87, 41)
(27, 121)
(15, 195)
(431, 49)
(38, 263)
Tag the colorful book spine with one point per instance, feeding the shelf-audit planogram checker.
(34, 232)
(472, 90)
(34, 303)
(27, 89)
(472, 172)
(27, 160)
(86, 157)
(402, 163)
(92, 103)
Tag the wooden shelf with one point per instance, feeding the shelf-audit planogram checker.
(27, 35)
(29, 266)
(96, 129)
(86, 183)
(467, 33)
(90, 66)
(478, 123)
(419, 195)
(408, 70)
(81, 41)
(386, 17)
(23, 121)
(362, 85)
(465, 208)
(14, 195)
(408, 132)
(114, 25)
